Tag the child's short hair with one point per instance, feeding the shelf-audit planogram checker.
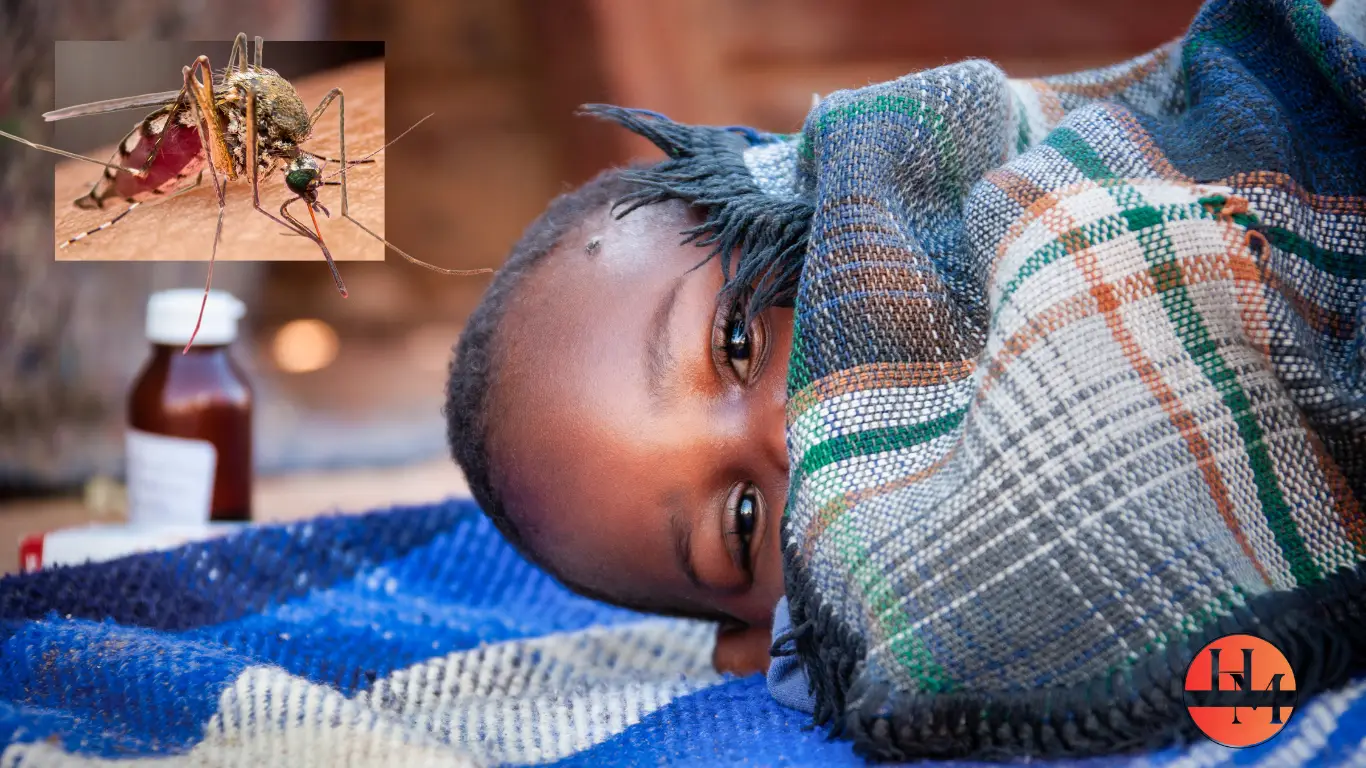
(474, 367)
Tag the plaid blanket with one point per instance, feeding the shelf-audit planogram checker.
(1078, 381)
(410, 637)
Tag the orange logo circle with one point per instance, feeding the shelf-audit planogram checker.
(1240, 690)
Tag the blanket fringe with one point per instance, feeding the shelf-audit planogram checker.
(1321, 629)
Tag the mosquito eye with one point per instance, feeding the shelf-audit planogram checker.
(299, 182)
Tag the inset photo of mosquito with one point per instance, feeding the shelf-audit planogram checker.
(178, 134)
(248, 150)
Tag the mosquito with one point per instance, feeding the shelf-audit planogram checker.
(246, 120)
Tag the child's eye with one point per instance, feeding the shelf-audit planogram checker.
(743, 514)
(737, 344)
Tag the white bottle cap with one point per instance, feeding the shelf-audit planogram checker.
(171, 317)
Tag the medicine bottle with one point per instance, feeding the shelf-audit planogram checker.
(188, 443)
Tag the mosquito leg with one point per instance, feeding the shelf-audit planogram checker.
(254, 163)
(326, 159)
(260, 51)
(211, 133)
(170, 117)
(255, 166)
(387, 144)
(198, 180)
(336, 93)
(64, 153)
(305, 231)
(212, 139)
(238, 57)
(105, 164)
(100, 228)
(322, 105)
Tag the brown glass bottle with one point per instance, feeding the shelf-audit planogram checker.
(190, 418)
(201, 395)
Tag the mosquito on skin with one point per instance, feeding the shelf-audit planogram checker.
(248, 118)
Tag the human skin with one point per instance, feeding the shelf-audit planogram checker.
(605, 478)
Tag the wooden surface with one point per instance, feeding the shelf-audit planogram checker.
(182, 229)
(279, 499)
(758, 62)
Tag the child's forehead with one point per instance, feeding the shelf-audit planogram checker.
(659, 224)
(605, 252)
(607, 270)
(588, 308)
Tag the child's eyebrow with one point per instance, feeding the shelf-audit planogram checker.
(659, 359)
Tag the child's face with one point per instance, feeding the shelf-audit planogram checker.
(639, 453)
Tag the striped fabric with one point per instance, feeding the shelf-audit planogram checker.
(1078, 386)
(1078, 380)
(412, 637)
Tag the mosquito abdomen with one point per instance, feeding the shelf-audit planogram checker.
(179, 156)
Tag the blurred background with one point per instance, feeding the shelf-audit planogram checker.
(356, 386)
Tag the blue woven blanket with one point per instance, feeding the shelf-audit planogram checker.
(409, 637)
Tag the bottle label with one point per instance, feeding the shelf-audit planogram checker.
(170, 479)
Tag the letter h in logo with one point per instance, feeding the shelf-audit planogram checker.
(1242, 683)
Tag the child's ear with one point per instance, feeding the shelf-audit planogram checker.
(742, 650)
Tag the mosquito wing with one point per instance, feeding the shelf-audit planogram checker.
(162, 99)
(113, 105)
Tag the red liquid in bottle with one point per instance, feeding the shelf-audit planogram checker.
(190, 417)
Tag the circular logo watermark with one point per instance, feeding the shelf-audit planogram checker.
(1240, 690)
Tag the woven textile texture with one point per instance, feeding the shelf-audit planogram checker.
(1079, 377)
(412, 637)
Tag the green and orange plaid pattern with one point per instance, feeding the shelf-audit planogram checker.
(1080, 379)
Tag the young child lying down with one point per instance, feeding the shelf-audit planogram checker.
(1004, 397)
(622, 422)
